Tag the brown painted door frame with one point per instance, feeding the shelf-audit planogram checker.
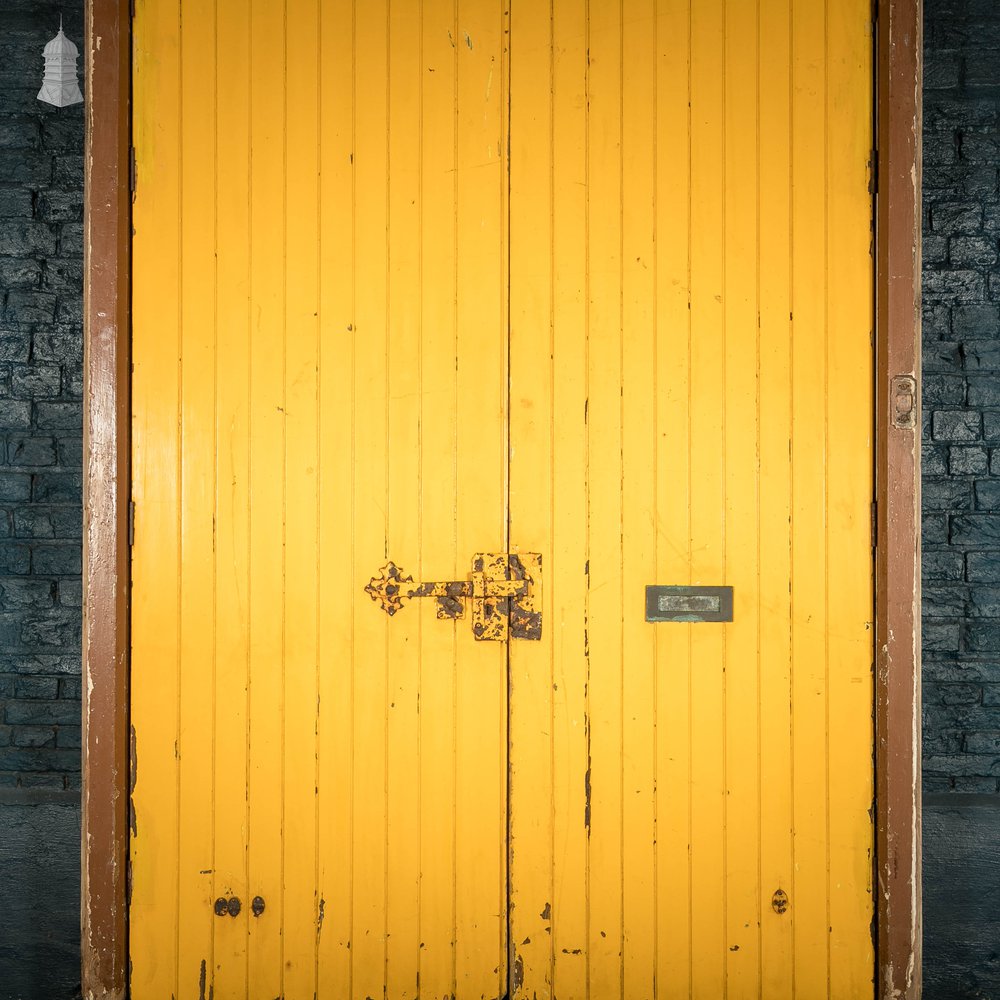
(106, 743)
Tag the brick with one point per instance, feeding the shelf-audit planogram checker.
(48, 521)
(70, 593)
(64, 133)
(935, 249)
(941, 70)
(69, 688)
(14, 486)
(69, 737)
(37, 380)
(15, 414)
(965, 461)
(19, 133)
(944, 390)
(71, 239)
(38, 760)
(19, 167)
(982, 567)
(972, 251)
(61, 630)
(59, 416)
(15, 272)
(956, 217)
(15, 559)
(49, 712)
(976, 321)
(34, 736)
(945, 600)
(56, 487)
(984, 602)
(70, 311)
(24, 306)
(982, 637)
(935, 322)
(941, 637)
(933, 461)
(57, 205)
(31, 451)
(67, 171)
(36, 687)
(981, 355)
(987, 492)
(62, 346)
(959, 286)
(56, 559)
(956, 425)
(947, 495)
(26, 593)
(941, 356)
(942, 566)
(15, 345)
(976, 530)
(934, 529)
(984, 390)
(70, 451)
(16, 203)
(45, 663)
(987, 743)
(63, 275)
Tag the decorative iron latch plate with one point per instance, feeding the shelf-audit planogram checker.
(505, 590)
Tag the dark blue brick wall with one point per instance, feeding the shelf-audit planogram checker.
(41, 387)
(961, 396)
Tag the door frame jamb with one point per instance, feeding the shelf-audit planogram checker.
(106, 742)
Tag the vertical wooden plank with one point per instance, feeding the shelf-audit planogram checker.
(370, 662)
(849, 418)
(673, 485)
(481, 470)
(565, 576)
(438, 493)
(638, 152)
(153, 914)
(743, 551)
(530, 851)
(774, 660)
(338, 568)
(604, 424)
(232, 498)
(810, 290)
(197, 501)
(404, 361)
(267, 494)
(300, 906)
(897, 643)
(106, 764)
(708, 463)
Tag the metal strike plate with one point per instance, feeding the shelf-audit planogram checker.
(505, 591)
(689, 604)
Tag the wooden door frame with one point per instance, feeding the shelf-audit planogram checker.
(106, 741)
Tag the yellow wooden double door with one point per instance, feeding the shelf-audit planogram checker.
(419, 279)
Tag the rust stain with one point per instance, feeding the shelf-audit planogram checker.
(546, 913)
(201, 981)
(586, 791)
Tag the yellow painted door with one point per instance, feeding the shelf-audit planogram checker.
(415, 280)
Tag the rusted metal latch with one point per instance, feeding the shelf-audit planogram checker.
(505, 589)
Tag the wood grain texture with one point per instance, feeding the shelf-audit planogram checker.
(105, 810)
